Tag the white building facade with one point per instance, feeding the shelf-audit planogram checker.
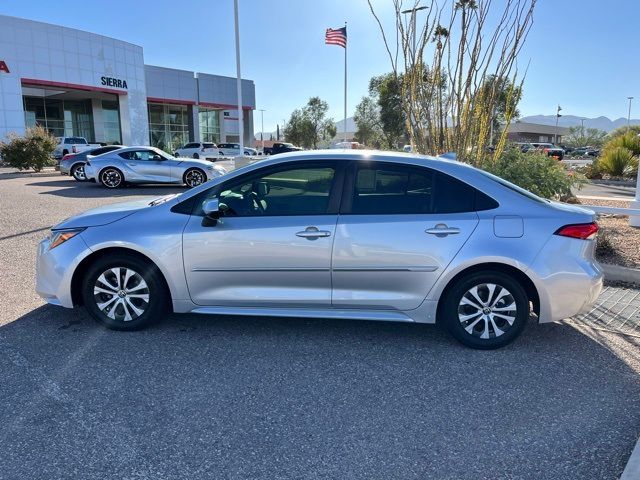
(76, 83)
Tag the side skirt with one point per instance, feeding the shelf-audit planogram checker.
(385, 316)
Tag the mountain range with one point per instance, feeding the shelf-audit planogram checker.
(601, 123)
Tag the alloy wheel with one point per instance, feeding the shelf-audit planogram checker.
(78, 173)
(121, 294)
(487, 310)
(193, 178)
(111, 178)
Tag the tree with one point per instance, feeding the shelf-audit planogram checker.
(583, 137)
(450, 102)
(367, 118)
(309, 126)
(32, 150)
(386, 90)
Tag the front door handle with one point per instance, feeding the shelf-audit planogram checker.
(312, 233)
(442, 230)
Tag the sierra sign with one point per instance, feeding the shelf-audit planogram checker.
(3, 67)
(113, 82)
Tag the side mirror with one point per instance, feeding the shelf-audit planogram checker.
(211, 208)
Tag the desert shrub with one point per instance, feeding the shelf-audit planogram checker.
(618, 161)
(535, 172)
(32, 150)
(591, 171)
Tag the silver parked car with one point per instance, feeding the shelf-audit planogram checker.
(73, 163)
(148, 165)
(333, 234)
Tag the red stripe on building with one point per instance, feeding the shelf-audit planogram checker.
(170, 100)
(74, 86)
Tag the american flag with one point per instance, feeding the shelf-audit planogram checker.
(336, 36)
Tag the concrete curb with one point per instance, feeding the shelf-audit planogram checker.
(632, 470)
(618, 273)
(615, 183)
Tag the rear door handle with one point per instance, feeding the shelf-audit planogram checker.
(312, 233)
(442, 230)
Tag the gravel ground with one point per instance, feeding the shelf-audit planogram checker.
(253, 398)
(618, 243)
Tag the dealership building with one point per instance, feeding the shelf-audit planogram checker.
(76, 83)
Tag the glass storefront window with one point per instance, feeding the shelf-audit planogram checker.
(73, 118)
(209, 120)
(168, 126)
(111, 117)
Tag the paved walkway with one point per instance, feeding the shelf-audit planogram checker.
(617, 310)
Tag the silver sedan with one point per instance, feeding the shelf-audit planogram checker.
(148, 165)
(333, 234)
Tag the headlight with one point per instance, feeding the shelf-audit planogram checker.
(58, 237)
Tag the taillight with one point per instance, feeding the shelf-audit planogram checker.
(583, 231)
(68, 155)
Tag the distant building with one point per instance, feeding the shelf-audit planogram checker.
(535, 132)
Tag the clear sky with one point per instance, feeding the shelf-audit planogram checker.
(583, 53)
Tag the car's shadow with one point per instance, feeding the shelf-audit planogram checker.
(297, 398)
(70, 188)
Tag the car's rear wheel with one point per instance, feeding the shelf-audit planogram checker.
(111, 177)
(194, 177)
(123, 292)
(195, 155)
(485, 310)
(77, 172)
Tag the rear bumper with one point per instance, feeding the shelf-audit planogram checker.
(571, 283)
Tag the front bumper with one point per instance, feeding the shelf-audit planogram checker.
(54, 269)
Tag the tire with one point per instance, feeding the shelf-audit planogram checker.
(176, 154)
(115, 307)
(494, 321)
(194, 177)
(77, 172)
(111, 177)
(196, 156)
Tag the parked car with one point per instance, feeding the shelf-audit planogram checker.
(550, 149)
(281, 147)
(148, 165)
(73, 163)
(68, 145)
(197, 150)
(348, 146)
(332, 234)
(585, 152)
(524, 146)
(233, 150)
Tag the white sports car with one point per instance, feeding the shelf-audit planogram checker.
(148, 165)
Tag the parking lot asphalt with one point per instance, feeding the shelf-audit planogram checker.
(249, 398)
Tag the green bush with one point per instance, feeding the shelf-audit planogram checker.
(618, 161)
(33, 150)
(536, 172)
(591, 171)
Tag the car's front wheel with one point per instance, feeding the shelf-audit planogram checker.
(111, 177)
(194, 177)
(77, 172)
(485, 310)
(196, 156)
(123, 292)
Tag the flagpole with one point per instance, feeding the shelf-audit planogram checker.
(345, 83)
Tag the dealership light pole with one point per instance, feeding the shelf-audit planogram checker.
(239, 80)
(262, 127)
(557, 118)
(629, 114)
